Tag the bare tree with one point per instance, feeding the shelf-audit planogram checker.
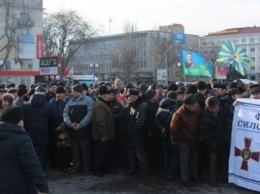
(8, 34)
(126, 61)
(163, 50)
(62, 28)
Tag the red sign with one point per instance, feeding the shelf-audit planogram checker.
(39, 46)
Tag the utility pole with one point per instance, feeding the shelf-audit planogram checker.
(110, 21)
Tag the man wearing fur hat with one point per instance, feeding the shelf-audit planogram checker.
(20, 170)
(77, 116)
(102, 133)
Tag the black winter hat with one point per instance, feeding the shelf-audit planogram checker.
(53, 84)
(132, 91)
(12, 114)
(12, 90)
(60, 89)
(40, 89)
(254, 88)
(21, 91)
(8, 97)
(189, 99)
(149, 94)
(11, 85)
(103, 90)
(77, 88)
(212, 101)
(84, 86)
(201, 85)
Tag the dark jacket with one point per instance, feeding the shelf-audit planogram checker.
(150, 127)
(214, 131)
(118, 112)
(163, 116)
(38, 115)
(20, 170)
(80, 111)
(135, 119)
(102, 121)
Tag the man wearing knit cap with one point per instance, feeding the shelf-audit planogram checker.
(59, 157)
(152, 141)
(184, 132)
(51, 91)
(38, 116)
(215, 132)
(21, 95)
(20, 170)
(77, 117)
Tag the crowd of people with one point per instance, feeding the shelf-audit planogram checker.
(184, 131)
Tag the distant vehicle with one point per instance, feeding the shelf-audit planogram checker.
(184, 83)
(87, 79)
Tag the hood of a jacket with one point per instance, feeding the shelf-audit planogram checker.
(37, 100)
(167, 103)
(8, 130)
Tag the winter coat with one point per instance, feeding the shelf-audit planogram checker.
(38, 115)
(118, 112)
(150, 127)
(20, 170)
(79, 111)
(102, 121)
(164, 114)
(214, 131)
(184, 124)
(135, 120)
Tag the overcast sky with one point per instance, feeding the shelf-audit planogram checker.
(197, 16)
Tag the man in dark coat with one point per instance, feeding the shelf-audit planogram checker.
(38, 116)
(215, 133)
(103, 133)
(20, 170)
(152, 138)
(135, 118)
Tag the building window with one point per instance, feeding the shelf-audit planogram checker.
(235, 41)
(212, 43)
(244, 50)
(252, 68)
(253, 58)
(243, 40)
(204, 43)
(252, 77)
(252, 49)
(252, 40)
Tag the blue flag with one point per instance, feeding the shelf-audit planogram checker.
(195, 65)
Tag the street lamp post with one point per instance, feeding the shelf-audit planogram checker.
(93, 66)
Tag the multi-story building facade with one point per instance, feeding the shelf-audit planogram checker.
(247, 39)
(155, 49)
(22, 63)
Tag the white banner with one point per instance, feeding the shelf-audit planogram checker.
(244, 164)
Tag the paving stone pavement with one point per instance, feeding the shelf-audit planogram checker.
(61, 183)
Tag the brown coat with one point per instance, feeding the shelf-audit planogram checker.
(102, 121)
(184, 124)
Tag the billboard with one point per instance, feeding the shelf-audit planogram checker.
(49, 66)
(179, 38)
(162, 75)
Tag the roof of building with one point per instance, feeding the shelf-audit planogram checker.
(230, 31)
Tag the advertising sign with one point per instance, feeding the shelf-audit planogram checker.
(39, 47)
(49, 66)
(179, 38)
(162, 76)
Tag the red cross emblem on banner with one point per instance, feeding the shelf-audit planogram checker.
(246, 154)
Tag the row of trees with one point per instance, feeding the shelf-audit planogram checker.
(64, 27)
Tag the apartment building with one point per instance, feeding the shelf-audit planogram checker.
(246, 38)
(23, 62)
